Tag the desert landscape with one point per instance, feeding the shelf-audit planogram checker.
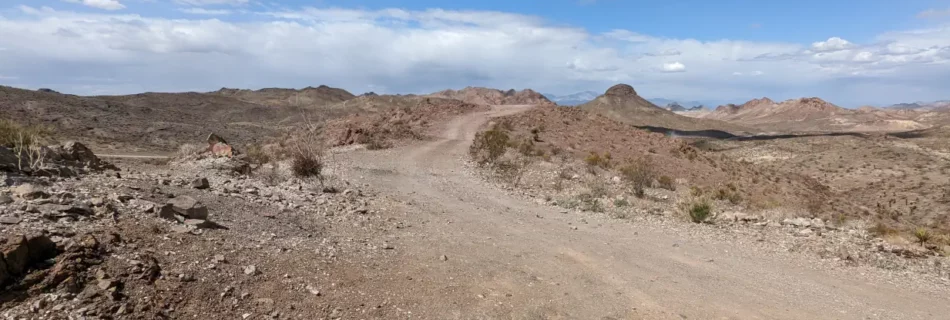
(476, 203)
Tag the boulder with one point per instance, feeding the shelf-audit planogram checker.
(200, 183)
(28, 191)
(188, 207)
(16, 254)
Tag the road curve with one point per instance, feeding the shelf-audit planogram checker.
(514, 259)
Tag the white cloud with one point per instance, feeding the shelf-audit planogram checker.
(101, 4)
(209, 12)
(832, 44)
(673, 67)
(405, 51)
(211, 2)
(934, 13)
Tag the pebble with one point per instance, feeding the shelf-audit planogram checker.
(250, 270)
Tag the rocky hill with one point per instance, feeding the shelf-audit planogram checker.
(810, 114)
(306, 97)
(161, 122)
(622, 103)
(488, 96)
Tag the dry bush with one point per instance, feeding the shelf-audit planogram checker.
(639, 175)
(512, 168)
(489, 145)
(25, 142)
(598, 189)
(595, 160)
(306, 153)
(188, 150)
(729, 193)
(665, 182)
(257, 155)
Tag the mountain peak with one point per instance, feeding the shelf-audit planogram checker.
(622, 90)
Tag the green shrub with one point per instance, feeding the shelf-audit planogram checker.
(699, 211)
(923, 235)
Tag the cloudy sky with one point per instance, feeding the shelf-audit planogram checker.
(848, 52)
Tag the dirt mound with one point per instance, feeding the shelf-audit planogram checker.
(488, 96)
(390, 120)
(810, 114)
(306, 97)
(622, 103)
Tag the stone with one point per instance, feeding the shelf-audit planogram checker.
(798, 222)
(105, 284)
(313, 290)
(16, 254)
(5, 199)
(27, 191)
(41, 247)
(444, 258)
(180, 229)
(189, 207)
(615, 179)
(200, 183)
(199, 223)
(120, 197)
(250, 270)
(817, 223)
(9, 220)
(219, 258)
(77, 209)
(97, 202)
(167, 212)
(805, 233)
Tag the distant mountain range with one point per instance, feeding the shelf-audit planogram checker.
(586, 96)
(923, 106)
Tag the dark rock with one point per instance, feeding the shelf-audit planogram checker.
(200, 183)
(189, 207)
(168, 212)
(16, 254)
(5, 199)
(622, 90)
(199, 223)
(41, 247)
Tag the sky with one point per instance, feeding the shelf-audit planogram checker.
(850, 53)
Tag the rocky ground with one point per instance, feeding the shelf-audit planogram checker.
(415, 231)
(188, 239)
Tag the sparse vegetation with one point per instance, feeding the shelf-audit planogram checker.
(489, 145)
(639, 175)
(25, 142)
(699, 211)
(665, 182)
(923, 235)
(595, 160)
(621, 203)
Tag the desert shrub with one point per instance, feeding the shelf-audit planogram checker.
(512, 169)
(598, 189)
(595, 160)
(639, 175)
(881, 229)
(378, 144)
(189, 149)
(666, 182)
(621, 203)
(13, 134)
(588, 202)
(25, 142)
(923, 235)
(699, 211)
(257, 155)
(489, 145)
(696, 191)
(728, 194)
(304, 165)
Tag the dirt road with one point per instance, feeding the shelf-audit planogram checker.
(509, 258)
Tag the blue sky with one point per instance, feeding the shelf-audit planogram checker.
(848, 52)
